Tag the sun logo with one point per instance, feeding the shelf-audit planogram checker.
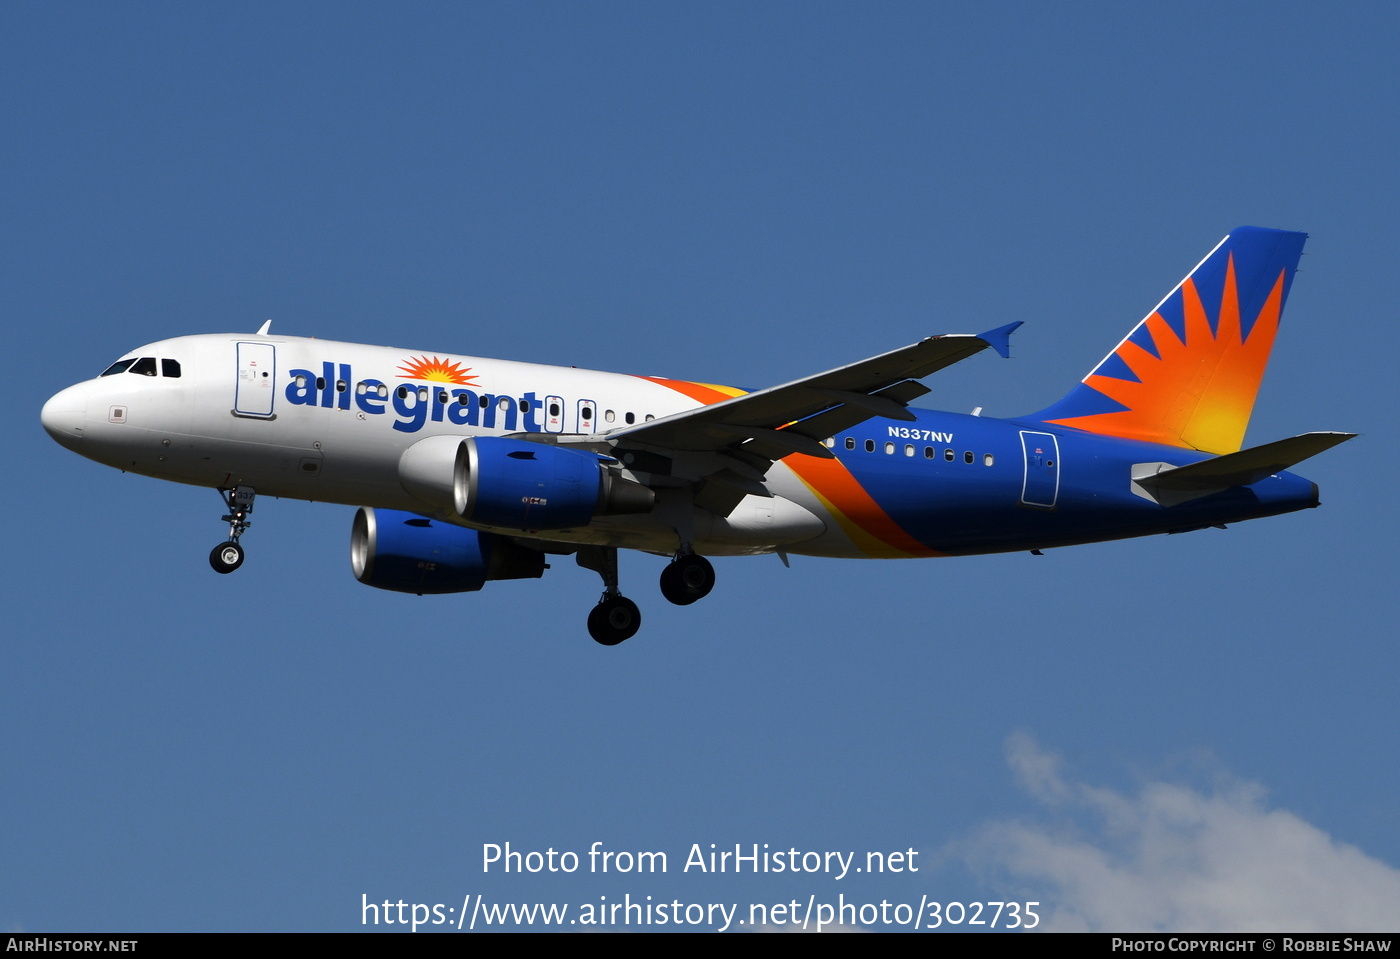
(437, 371)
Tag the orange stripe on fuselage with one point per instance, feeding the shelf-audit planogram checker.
(868, 526)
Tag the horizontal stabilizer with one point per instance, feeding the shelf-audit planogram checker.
(1170, 485)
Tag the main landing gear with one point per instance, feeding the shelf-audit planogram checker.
(228, 556)
(687, 578)
(616, 617)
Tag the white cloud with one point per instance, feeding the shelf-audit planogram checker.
(1175, 859)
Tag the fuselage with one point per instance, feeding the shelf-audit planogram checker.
(327, 421)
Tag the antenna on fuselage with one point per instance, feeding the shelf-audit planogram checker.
(262, 330)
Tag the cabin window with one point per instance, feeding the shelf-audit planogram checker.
(850, 442)
(170, 368)
(909, 449)
(504, 404)
(987, 459)
(649, 417)
(320, 382)
(928, 452)
(524, 406)
(609, 416)
(403, 392)
(554, 410)
(462, 399)
(870, 446)
(586, 413)
(442, 397)
(948, 455)
(630, 418)
(967, 457)
(118, 367)
(889, 449)
(829, 442)
(422, 394)
(341, 386)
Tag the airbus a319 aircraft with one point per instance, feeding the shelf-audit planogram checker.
(468, 470)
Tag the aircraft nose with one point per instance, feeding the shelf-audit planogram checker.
(65, 415)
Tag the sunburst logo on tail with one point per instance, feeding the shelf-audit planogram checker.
(437, 371)
(1194, 387)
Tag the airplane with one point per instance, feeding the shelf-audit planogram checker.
(467, 470)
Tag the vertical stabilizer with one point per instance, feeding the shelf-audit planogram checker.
(1188, 374)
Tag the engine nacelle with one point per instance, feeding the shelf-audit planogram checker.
(501, 482)
(408, 553)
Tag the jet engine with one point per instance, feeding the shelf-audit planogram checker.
(500, 482)
(408, 553)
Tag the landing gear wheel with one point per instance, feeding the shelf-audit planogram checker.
(613, 620)
(226, 557)
(687, 579)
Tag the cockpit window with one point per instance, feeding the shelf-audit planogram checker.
(170, 368)
(118, 367)
(146, 366)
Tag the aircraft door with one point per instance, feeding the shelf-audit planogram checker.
(553, 414)
(257, 378)
(587, 413)
(1042, 483)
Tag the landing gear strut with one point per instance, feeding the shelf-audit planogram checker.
(615, 618)
(687, 578)
(228, 556)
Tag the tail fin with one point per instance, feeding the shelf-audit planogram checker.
(1187, 375)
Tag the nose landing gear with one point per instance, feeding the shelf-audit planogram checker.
(228, 556)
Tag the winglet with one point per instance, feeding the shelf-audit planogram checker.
(1000, 338)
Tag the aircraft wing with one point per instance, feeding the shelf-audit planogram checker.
(794, 418)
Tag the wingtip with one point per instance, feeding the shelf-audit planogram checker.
(1000, 338)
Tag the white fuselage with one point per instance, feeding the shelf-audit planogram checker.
(324, 420)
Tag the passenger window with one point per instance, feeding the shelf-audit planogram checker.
(948, 455)
(649, 417)
(320, 382)
(889, 449)
(504, 404)
(870, 446)
(829, 442)
(461, 399)
(341, 386)
(118, 367)
(928, 452)
(554, 410)
(524, 406)
(402, 392)
(609, 416)
(361, 389)
(909, 450)
(967, 457)
(986, 459)
(586, 413)
(850, 442)
(146, 366)
(630, 418)
(442, 397)
(170, 368)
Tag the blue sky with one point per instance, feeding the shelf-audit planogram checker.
(733, 193)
